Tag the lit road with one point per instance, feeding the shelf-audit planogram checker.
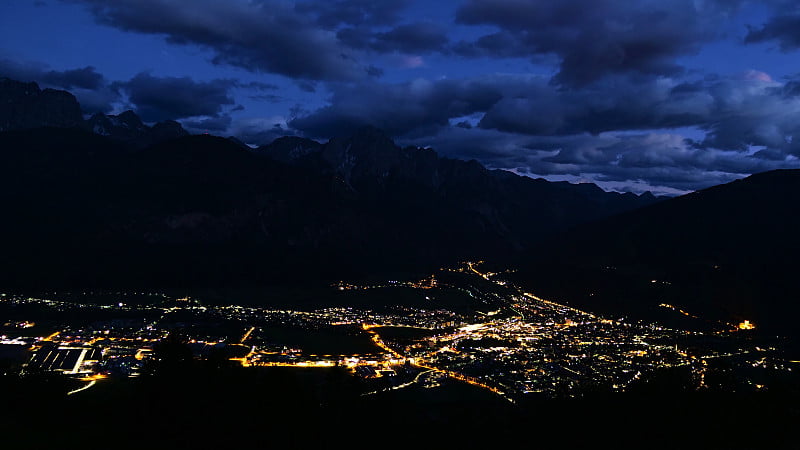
(455, 375)
(91, 383)
(247, 335)
(401, 386)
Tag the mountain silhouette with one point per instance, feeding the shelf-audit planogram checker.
(464, 197)
(114, 201)
(127, 127)
(25, 106)
(90, 210)
(728, 252)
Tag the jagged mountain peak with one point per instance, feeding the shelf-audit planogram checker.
(130, 119)
(209, 194)
(371, 135)
(129, 128)
(29, 88)
(168, 129)
(26, 106)
(294, 140)
(368, 142)
(293, 150)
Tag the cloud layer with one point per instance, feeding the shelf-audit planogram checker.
(618, 128)
(254, 35)
(598, 90)
(597, 38)
(162, 98)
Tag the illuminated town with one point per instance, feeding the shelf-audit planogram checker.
(509, 342)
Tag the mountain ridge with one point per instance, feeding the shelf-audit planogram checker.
(728, 252)
(202, 209)
(150, 208)
(26, 107)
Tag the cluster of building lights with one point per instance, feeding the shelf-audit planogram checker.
(523, 344)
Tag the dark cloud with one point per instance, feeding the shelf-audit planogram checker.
(597, 38)
(494, 45)
(307, 86)
(741, 124)
(215, 125)
(753, 112)
(783, 27)
(163, 98)
(83, 78)
(791, 89)
(636, 154)
(615, 103)
(421, 37)
(493, 148)
(735, 112)
(90, 87)
(264, 95)
(332, 13)
(618, 109)
(664, 163)
(356, 37)
(258, 86)
(260, 36)
(513, 103)
(374, 71)
(101, 100)
(411, 107)
(271, 98)
(260, 131)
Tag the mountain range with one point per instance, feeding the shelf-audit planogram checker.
(25, 106)
(727, 252)
(112, 201)
(109, 201)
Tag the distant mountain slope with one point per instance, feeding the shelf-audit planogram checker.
(127, 127)
(25, 106)
(508, 211)
(730, 250)
(113, 201)
(728, 224)
(83, 209)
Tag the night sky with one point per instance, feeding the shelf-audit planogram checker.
(661, 95)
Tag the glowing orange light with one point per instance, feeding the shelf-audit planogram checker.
(746, 325)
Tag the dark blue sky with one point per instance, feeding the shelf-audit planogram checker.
(662, 95)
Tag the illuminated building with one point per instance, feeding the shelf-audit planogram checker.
(746, 325)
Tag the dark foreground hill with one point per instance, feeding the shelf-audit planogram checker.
(304, 408)
(729, 252)
(82, 209)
